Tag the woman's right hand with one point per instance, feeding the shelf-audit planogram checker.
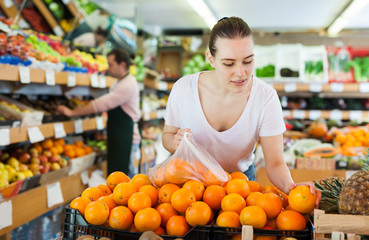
(179, 136)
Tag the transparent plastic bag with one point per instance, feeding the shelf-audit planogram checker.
(190, 161)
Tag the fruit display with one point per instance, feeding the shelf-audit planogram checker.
(196, 64)
(151, 102)
(137, 205)
(87, 6)
(137, 69)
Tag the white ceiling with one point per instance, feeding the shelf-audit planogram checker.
(264, 15)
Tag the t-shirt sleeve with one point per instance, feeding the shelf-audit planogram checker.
(272, 123)
(172, 114)
(118, 96)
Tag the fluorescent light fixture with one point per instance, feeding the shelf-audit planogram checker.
(350, 11)
(203, 10)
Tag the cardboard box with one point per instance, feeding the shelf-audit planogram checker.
(169, 61)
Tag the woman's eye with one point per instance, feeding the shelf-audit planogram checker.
(228, 64)
(247, 62)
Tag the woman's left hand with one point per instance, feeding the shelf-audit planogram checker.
(313, 190)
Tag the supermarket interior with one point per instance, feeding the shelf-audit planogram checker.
(184, 119)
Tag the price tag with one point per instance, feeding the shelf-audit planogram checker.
(84, 177)
(4, 137)
(59, 130)
(35, 134)
(314, 114)
(102, 81)
(99, 123)
(50, 77)
(58, 31)
(54, 194)
(71, 79)
(350, 173)
(24, 75)
(290, 87)
(298, 114)
(146, 116)
(94, 78)
(364, 87)
(355, 115)
(337, 87)
(78, 126)
(16, 124)
(316, 87)
(286, 113)
(336, 115)
(96, 179)
(6, 210)
(8, 3)
(162, 85)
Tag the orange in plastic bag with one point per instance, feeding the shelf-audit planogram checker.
(190, 161)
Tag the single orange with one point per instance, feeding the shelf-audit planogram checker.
(196, 187)
(92, 193)
(301, 199)
(198, 213)
(105, 190)
(254, 216)
(254, 186)
(109, 201)
(213, 196)
(140, 180)
(138, 201)
(270, 203)
(182, 199)
(122, 192)
(80, 204)
(96, 213)
(291, 220)
(166, 211)
(121, 218)
(160, 231)
(252, 198)
(147, 219)
(239, 175)
(166, 191)
(152, 192)
(177, 226)
(238, 186)
(228, 219)
(115, 178)
(233, 202)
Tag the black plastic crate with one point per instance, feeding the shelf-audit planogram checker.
(75, 226)
(223, 233)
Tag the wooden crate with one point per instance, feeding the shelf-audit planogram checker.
(339, 225)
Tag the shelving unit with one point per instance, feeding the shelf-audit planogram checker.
(73, 9)
(33, 203)
(158, 84)
(48, 17)
(11, 73)
(10, 9)
(326, 114)
(159, 114)
(19, 134)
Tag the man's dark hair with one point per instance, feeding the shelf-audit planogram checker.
(120, 55)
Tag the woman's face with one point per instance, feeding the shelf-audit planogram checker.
(234, 62)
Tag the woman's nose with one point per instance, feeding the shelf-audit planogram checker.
(241, 70)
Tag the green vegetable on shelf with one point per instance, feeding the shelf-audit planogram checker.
(266, 71)
(361, 68)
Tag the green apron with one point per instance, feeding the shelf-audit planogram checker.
(120, 132)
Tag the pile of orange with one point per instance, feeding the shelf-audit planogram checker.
(137, 205)
(78, 149)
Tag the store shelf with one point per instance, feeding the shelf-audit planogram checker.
(336, 88)
(326, 114)
(33, 203)
(158, 85)
(11, 73)
(20, 134)
(159, 114)
(10, 9)
(73, 9)
(45, 12)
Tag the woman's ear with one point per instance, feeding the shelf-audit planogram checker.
(210, 58)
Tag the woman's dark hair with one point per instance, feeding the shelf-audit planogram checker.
(232, 27)
(120, 55)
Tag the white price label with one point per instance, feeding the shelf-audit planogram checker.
(316, 87)
(350, 173)
(8, 3)
(336, 115)
(102, 81)
(6, 210)
(356, 115)
(35, 134)
(78, 126)
(99, 123)
(84, 177)
(59, 130)
(94, 78)
(54, 194)
(161, 113)
(314, 114)
(16, 124)
(72, 79)
(50, 77)
(146, 116)
(162, 85)
(337, 87)
(4, 137)
(298, 114)
(24, 75)
(286, 113)
(58, 31)
(290, 87)
(364, 87)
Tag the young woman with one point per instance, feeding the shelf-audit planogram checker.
(228, 109)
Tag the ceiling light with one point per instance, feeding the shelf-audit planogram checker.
(203, 10)
(350, 11)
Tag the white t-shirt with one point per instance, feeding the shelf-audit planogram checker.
(233, 148)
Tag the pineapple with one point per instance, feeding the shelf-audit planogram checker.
(354, 197)
(330, 189)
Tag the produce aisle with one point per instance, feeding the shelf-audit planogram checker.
(53, 169)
